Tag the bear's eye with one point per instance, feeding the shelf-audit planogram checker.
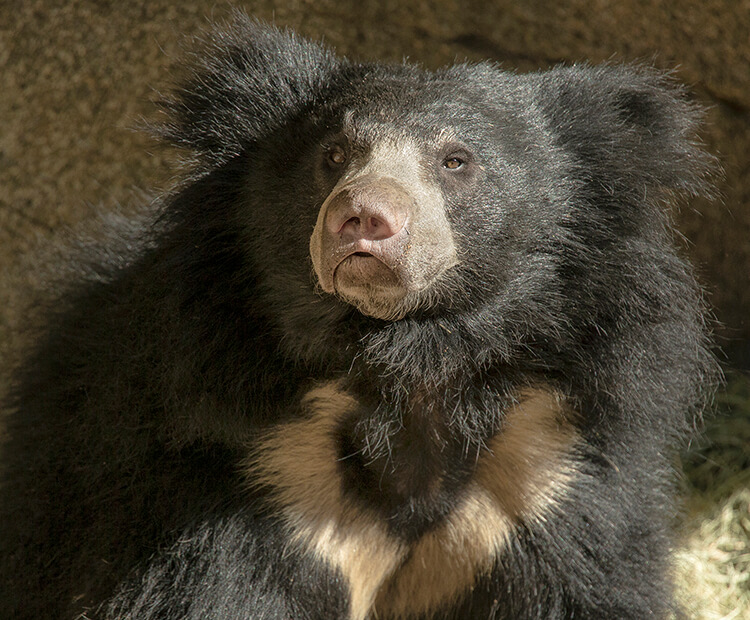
(336, 156)
(453, 163)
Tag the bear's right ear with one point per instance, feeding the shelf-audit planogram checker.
(248, 80)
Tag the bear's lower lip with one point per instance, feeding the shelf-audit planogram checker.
(363, 269)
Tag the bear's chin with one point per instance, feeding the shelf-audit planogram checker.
(371, 286)
(376, 305)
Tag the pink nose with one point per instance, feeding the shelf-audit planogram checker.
(367, 227)
(373, 212)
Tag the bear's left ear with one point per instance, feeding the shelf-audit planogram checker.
(248, 80)
(629, 128)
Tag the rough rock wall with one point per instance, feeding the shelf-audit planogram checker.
(76, 76)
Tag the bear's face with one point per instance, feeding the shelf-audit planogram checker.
(382, 238)
(422, 187)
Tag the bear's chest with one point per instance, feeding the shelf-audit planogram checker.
(352, 512)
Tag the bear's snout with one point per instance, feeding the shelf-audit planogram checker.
(364, 236)
(382, 237)
(368, 219)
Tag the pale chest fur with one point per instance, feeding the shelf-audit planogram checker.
(522, 474)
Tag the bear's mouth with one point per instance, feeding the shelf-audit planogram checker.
(363, 269)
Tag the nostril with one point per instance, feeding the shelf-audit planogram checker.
(350, 227)
(377, 229)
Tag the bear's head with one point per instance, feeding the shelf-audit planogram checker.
(519, 210)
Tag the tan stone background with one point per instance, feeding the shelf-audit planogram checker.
(76, 76)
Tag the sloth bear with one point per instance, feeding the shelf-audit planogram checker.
(404, 344)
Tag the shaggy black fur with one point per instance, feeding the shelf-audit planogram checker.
(123, 494)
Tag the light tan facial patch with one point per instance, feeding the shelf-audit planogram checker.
(520, 478)
(417, 255)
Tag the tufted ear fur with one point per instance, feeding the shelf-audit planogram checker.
(249, 79)
(629, 128)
